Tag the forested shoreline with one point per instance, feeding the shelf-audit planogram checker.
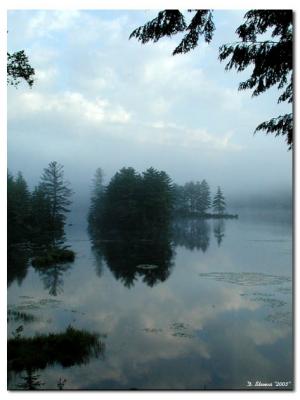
(132, 208)
(146, 202)
(130, 201)
(36, 219)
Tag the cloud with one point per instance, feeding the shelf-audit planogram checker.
(72, 109)
(71, 104)
(182, 136)
(46, 23)
(92, 82)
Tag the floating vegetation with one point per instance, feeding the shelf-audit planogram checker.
(35, 304)
(266, 298)
(247, 278)
(147, 266)
(263, 294)
(72, 311)
(272, 303)
(282, 318)
(178, 329)
(181, 330)
(51, 302)
(68, 348)
(285, 290)
(153, 330)
(17, 316)
(269, 240)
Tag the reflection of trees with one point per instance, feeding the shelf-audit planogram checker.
(219, 230)
(52, 262)
(31, 381)
(99, 259)
(132, 255)
(17, 264)
(52, 277)
(191, 233)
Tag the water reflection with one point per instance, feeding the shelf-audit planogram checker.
(31, 381)
(213, 325)
(51, 262)
(148, 255)
(128, 254)
(193, 234)
(98, 256)
(273, 294)
(17, 264)
(219, 230)
(53, 277)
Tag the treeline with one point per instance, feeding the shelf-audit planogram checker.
(38, 216)
(131, 202)
(194, 198)
(129, 222)
(147, 201)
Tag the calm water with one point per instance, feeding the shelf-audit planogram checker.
(215, 313)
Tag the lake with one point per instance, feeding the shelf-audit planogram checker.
(208, 308)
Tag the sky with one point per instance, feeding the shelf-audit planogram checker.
(101, 100)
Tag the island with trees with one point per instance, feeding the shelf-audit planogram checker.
(147, 202)
(137, 219)
(193, 199)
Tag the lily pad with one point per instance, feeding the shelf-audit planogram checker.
(147, 266)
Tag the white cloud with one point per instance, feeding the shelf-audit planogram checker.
(45, 22)
(183, 136)
(71, 104)
(46, 76)
(93, 82)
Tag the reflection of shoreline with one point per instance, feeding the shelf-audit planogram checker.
(49, 258)
(194, 233)
(203, 217)
(219, 231)
(52, 277)
(132, 255)
(200, 328)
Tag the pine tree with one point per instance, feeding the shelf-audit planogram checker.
(121, 201)
(97, 199)
(131, 202)
(219, 204)
(18, 202)
(40, 215)
(156, 197)
(178, 198)
(191, 193)
(204, 200)
(58, 192)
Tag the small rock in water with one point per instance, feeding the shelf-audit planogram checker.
(147, 266)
